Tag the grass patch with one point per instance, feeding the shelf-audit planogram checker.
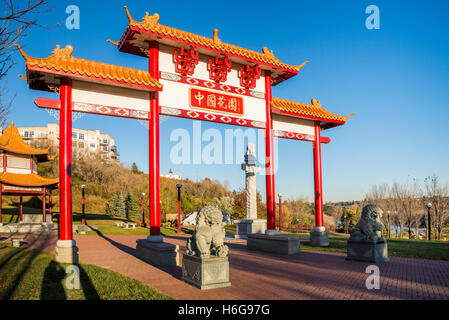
(423, 249)
(28, 274)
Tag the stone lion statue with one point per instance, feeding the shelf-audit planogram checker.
(369, 227)
(208, 237)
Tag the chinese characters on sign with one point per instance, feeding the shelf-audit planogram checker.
(216, 101)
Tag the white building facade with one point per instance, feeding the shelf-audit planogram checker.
(84, 142)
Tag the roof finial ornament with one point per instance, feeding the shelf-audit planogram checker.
(130, 19)
(216, 38)
(316, 103)
(302, 65)
(115, 43)
(24, 55)
(62, 53)
(150, 20)
(268, 52)
(23, 77)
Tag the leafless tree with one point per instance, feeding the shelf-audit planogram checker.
(17, 18)
(407, 197)
(437, 194)
(380, 195)
(399, 193)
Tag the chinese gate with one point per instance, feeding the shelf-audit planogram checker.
(188, 76)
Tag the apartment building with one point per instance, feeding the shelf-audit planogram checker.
(84, 142)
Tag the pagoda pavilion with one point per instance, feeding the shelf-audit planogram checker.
(18, 170)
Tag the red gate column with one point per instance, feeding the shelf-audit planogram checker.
(154, 200)
(153, 250)
(44, 209)
(318, 179)
(318, 237)
(66, 251)
(21, 208)
(269, 158)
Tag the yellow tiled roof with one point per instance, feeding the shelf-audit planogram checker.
(26, 180)
(150, 23)
(62, 60)
(13, 142)
(314, 110)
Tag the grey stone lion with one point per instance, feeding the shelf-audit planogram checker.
(369, 227)
(208, 237)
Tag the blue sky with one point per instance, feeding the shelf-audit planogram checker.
(395, 79)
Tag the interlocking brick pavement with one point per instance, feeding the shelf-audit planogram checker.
(255, 275)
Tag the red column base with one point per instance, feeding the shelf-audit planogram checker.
(155, 231)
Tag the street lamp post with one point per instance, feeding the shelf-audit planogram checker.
(83, 219)
(280, 211)
(179, 206)
(429, 228)
(143, 210)
(389, 228)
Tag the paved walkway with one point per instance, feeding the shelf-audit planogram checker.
(254, 275)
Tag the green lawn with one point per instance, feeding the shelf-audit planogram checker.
(28, 274)
(424, 249)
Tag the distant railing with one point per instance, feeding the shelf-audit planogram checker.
(302, 228)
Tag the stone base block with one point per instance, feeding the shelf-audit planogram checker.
(16, 243)
(82, 229)
(157, 253)
(34, 228)
(368, 251)
(35, 218)
(206, 273)
(282, 244)
(319, 239)
(249, 226)
(67, 252)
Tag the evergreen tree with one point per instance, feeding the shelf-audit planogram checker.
(120, 208)
(111, 205)
(132, 208)
(135, 169)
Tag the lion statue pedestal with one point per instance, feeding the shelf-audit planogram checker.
(205, 263)
(366, 242)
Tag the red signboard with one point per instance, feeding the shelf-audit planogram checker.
(216, 101)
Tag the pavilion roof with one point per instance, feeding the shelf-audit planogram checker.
(312, 111)
(11, 141)
(61, 62)
(151, 26)
(26, 180)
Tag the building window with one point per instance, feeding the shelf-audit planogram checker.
(105, 141)
(73, 144)
(81, 145)
(31, 133)
(74, 135)
(92, 145)
(81, 136)
(105, 148)
(25, 134)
